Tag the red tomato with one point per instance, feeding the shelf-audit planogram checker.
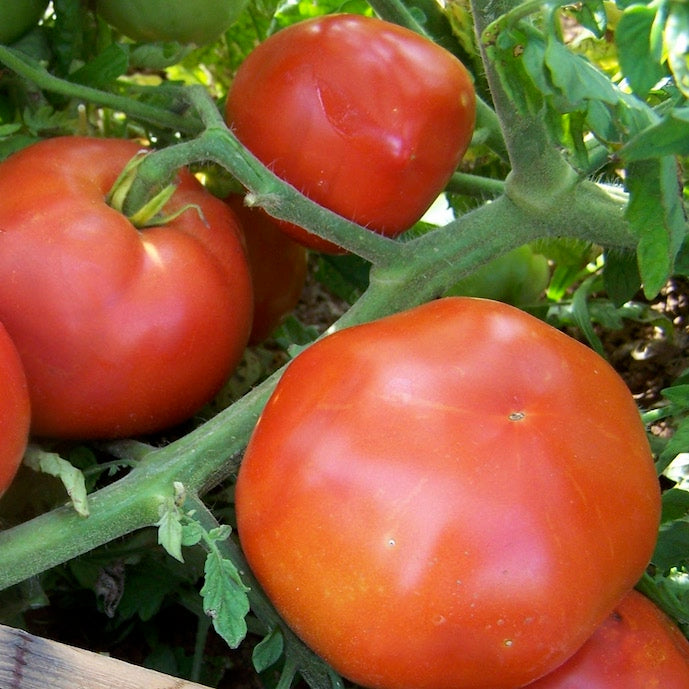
(14, 411)
(365, 117)
(443, 499)
(637, 647)
(278, 268)
(121, 331)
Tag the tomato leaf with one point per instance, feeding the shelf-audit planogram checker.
(268, 651)
(621, 276)
(656, 214)
(72, 479)
(640, 61)
(170, 530)
(677, 44)
(103, 69)
(224, 599)
(669, 136)
(672, 549)
(675, 504)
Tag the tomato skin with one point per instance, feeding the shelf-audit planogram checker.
(637, 647)
(278, 268)
(351, 133)
(15, 411)
(199, 22)
(18, 16)
(442, 499)
(518, 277)
(121, 332)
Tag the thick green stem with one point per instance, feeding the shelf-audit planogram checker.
(34, 72)
(198, 461)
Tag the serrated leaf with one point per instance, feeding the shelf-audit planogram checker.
(220, 533)
(268, 651)
(72, 479)
(669, 136)
(677, 44)
(639, 61)
(225, 600)
(170, 531)
(656, 215)
(103, 69)
(192, 533)
(576, 78)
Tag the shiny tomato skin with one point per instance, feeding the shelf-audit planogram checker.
(278, 268)
(365, 117)
(198, 22)
(121, 332)
(637, 647)
(15, 411)
(443, 499)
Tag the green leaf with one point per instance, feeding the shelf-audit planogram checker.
(677, 44)
(103, 69)
(656, 214)
(678, 443)
(576, 78)
(672, 549)
(268, 651)
(675, 504)
(224, 599)
(72, 479)
(621, 276)
(669, 136)
(591, 15)
(582, 318)
(639, 61)
(170, 530)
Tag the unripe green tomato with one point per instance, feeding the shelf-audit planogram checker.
(517, 277)
(18, 16)
(199, 22)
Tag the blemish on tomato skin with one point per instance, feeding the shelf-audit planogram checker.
(517, 416)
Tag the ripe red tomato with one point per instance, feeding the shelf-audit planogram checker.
(637, 647)
(443, 499)
(121, 331)
(278, 268)
(365, 117)
(14, 411)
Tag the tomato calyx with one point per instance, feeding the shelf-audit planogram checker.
(150, 214)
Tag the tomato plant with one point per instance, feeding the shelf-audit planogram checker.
(15, 411)
(278, 267)
(18, 16)
(373, 118)
(121, 331)
(637, 647)
(199, 22)
(443, 484)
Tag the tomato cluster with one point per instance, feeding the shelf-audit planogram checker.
(435, 499)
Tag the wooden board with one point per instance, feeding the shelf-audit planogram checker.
(31, 662)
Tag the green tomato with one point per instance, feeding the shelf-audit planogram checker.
(18, 16)
(199, 22)
(517, 277)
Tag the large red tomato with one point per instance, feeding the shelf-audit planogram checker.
(453, 497)
(637, 647)
(365, 117)
(14, 411)
(121, 331)
(278, 268)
